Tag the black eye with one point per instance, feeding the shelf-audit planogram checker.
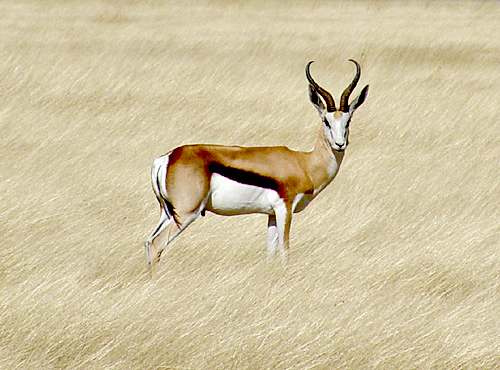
(327, 123)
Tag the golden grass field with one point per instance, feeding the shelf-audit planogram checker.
(396, 265)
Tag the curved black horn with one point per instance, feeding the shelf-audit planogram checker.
(330, 103)
(344, 100)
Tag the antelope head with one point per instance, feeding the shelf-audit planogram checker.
(336, 121)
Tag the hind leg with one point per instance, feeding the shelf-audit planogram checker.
(165, 220)
(168, 232)
(157, 242)
(183, 191)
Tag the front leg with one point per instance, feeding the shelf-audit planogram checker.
(272, 237)
(283, 222)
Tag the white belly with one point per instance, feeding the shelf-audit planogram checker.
(228, 197)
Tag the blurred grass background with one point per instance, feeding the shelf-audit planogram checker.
(395, 265)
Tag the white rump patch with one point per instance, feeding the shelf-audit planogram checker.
(159, 175)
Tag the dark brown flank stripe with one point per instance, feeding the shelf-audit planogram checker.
(243, 177)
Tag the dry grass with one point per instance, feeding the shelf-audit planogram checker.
(395, 265)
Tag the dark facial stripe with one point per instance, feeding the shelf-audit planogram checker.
(243, 177)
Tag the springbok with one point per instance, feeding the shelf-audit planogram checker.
(234, 180)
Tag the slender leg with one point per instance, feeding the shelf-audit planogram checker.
(159, 242)
(164, 221)
(168, 231)
(283, 221)
(286, 235)
(159, 237)
(150, 247)
(272, 237)
(174, 230)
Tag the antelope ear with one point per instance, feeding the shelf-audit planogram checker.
(359, 100)
(316, 101)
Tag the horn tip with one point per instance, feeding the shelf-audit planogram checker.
(352, 60)
(308, 73)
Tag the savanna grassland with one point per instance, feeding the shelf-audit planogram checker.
(396, 265)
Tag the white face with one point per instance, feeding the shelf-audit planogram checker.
(336, 126)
